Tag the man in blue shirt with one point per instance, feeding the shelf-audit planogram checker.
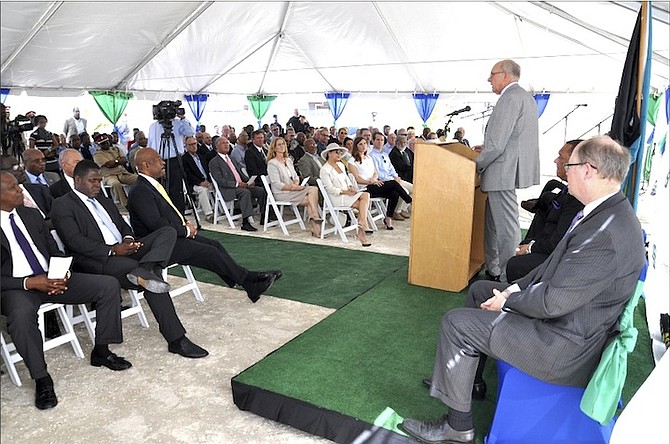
(180, 128)
(386, 171)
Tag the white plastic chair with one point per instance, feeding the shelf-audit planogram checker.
(11, 356)
(222, 208)
(333, 211)
(278, 207)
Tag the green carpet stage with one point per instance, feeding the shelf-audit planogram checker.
(363, 365)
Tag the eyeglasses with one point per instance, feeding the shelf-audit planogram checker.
(497, 72)
(567, 166)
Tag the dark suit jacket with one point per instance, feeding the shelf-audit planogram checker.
(404, 170)
(41, 195)
(554, 212)
(193, 174)
(149, 211)
(570, 305)
(256, 164)
(39, 232)
(60, 188)
(80, 232)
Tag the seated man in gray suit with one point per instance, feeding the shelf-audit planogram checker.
(233, 184)
(310, 163)
(554, 322)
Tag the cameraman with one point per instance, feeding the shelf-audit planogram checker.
(181, 128)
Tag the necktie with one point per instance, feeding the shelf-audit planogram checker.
(199, 165)
(405, 157)
(576, 219)
(104, 217)
(164, 193)
(28, 251)
(238, 179)
(41, 180)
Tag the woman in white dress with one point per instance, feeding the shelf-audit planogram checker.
(285, 183)
(363, 169)
(341, 191)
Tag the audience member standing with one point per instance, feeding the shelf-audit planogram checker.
(74, 125)
(509, 159)
(181, 128)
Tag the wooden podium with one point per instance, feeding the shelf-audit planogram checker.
(447, 232)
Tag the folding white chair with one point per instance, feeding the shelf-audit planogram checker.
(333, 211)
(278, 207)
(88, 316)
(222, 208)
(11, 356)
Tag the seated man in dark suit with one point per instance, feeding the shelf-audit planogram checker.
(554, 211)
(35, 195)
(310, 163)
(255, 157)
(554, 322)
(402, 159)
(27, 248)
(196, 171)
(101, 242)
(151, 208)
(233, 185)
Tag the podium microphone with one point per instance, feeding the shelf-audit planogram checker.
(583, 104)
(454, 113)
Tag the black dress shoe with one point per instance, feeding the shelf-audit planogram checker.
(492, 277)
(256, 288)
(268, 274)
(148, 280)
(437, 431)
(478, 388)
(183, 346)
(45, 396)
(112, 362)
(248, 227)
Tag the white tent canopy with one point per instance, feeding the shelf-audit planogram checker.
(158, 49)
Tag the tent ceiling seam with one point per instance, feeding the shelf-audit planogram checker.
(194, 14)
(600, 32)
(545, 28)
(275, 47)
(399, 47)
(37, 27)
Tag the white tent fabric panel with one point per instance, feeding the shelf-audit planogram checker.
(163, 48)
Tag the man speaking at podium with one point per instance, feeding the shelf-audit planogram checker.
(509, 159)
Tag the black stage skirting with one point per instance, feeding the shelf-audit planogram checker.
(310, 418)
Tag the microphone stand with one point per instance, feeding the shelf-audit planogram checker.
(565, 130)
(597, 125)
(446, 127)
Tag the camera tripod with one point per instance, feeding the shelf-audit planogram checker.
(164, 151)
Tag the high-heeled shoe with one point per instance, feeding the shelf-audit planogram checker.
(360, 233)
(388, 223)
(367, 229)
(315, 227)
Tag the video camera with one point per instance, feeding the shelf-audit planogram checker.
(12, 131)
(166, 110)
